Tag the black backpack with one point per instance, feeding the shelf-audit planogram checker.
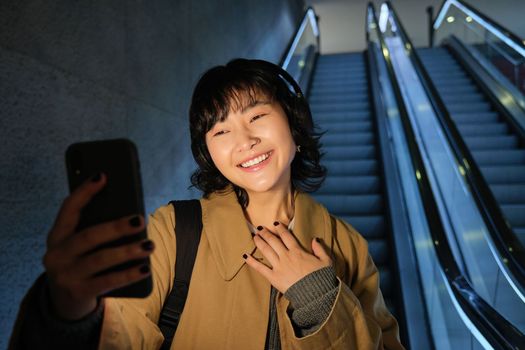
(188, 214)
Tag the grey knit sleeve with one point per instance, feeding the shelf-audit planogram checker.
(311, 300)
(81, 330)
(43, 329)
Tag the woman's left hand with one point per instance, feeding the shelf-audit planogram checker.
(290, 262)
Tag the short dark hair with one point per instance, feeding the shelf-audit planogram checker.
(228, 88)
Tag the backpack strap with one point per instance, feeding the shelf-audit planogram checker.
(188, 228)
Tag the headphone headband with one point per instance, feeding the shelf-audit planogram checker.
(285, 76)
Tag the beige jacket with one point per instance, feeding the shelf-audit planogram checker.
(228, 303)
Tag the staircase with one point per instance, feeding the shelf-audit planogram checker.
(353, 190)
(494, 146)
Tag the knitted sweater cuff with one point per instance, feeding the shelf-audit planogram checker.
(311, 287)
(311, 300)
(84, 329)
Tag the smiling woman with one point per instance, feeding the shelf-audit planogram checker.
(274, 270)
(253, 148)
(253, 99)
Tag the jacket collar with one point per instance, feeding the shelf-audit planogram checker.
(226, 228)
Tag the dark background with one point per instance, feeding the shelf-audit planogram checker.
(83, 70)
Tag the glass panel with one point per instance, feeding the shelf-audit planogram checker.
(451, 329)
(299, 60)
(475, 32)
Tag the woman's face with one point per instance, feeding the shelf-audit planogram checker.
(253, 148)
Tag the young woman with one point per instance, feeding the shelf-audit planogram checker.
(274, 270)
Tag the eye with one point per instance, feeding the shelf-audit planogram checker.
(220, 132)
(258, 116)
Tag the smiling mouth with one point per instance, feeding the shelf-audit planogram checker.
(255, 161)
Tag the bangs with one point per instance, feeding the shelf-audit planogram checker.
(225, 96)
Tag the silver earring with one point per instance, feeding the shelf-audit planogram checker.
(298, 149)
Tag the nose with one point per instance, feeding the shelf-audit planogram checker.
(246, 140)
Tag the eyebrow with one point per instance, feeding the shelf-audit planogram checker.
(254, 104)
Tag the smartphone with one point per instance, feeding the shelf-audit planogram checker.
(121, 196)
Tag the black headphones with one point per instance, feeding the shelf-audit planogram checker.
(301, 104)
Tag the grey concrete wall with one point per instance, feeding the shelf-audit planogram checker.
(84, 70)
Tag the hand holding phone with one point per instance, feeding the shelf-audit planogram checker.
(98, 245)
(72, 270)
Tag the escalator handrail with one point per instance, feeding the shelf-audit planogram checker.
(416, 332)
(511, 253)
(309, 14)
(505, 35)
(491, 325)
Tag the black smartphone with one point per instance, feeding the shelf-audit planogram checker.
(121, 196)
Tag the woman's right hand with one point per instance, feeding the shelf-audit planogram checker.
(73, 288)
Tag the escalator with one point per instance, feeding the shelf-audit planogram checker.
(378, 182)
(465, 124)
(495, 146)
(340, 102)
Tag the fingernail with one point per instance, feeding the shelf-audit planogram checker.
(276, 223)
(144, 269)
(147, 245)
(134, 221)
(244, 256)
(259, 228)
(318, 240)
(96, 177)
(253, 234)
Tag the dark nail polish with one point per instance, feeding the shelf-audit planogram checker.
(259, 228)
(147, 245)
(244, 256)
(134, 221)
(318, 240)
(144, 269)
(253, 234)
(276, 223)
(96, 177)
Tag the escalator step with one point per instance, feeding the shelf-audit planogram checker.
(520, 233)
(370, 226)
(345, 139)
(464, 98)
(446, 76)
(347, 89)
(386, 283)
(451, 81)
(492, 142)
(341, 205)
(342, 116)
(514, 214)
(349, 127)
(483, 129)
(348, 153)
(477, 118)
(321, 99)
(468, 108)
(320, 94)
(509, 194)
(350, 185)
(351, 167)
(505, 157)
(504, 174)
(340, 107)
(340, 74)
(379, 251)
(458, 89)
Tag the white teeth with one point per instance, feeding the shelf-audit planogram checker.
(255, 161)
